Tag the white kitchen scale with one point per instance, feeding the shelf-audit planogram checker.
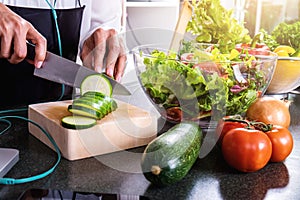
(8, 158)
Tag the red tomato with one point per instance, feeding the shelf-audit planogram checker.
(259, 49)
(259, 52)
(246, 150)
(224, 126)
(282, 143)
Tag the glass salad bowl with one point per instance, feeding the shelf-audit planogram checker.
(201, 84)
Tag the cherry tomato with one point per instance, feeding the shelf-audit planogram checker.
(246, 150)
(282, 143)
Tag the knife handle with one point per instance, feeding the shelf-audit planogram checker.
(30, 51)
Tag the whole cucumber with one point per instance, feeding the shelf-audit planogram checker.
(169, 157)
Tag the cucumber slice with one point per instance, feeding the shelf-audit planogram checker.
(102, 111)
(96, 82)
(94, 94)
(100, 104)
(114, 105)
(85, 111)
(97, 98)
(78, 122)
(88, 102)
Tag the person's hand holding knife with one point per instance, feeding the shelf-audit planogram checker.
(14, 32)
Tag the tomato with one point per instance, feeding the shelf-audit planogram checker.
(282, 143)
(246, 150)
(259, 49)
(224, 126)
(270, 111)
(259, 52)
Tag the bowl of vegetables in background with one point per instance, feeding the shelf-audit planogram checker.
(201, 84)
(286, 77)
(284, 40)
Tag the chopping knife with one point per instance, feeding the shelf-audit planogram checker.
(58, 69)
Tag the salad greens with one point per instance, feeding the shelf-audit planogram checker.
(171, 82)
(268, 39)
(283, 34)
(287, 34)
(212, 23)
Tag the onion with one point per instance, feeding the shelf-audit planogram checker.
(270, 111)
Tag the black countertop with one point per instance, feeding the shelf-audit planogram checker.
(119, 173)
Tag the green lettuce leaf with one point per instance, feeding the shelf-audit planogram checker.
(212, 23)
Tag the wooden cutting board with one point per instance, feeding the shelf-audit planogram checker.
(125, 128)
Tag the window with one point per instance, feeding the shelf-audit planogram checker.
(267, 14)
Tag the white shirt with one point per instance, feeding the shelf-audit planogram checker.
(106, 14)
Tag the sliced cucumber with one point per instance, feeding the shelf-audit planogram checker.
(101, 110)
(102, 105)
(78, 122)
(113, 105)
(94, 94)
(89, 102)
(97, 96)
(85, 111)
(92, 104)
(96, 82)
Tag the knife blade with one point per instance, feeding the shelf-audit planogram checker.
(61, 70)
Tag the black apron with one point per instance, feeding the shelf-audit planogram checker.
(18, 85)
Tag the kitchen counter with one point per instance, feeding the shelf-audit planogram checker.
(119, 173)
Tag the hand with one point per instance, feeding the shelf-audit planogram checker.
(14, 31)
(95, 47)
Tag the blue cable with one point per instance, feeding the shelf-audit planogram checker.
(58, 39)
(8, 127)
(12, 181)
(56, 26)
(13, 110)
